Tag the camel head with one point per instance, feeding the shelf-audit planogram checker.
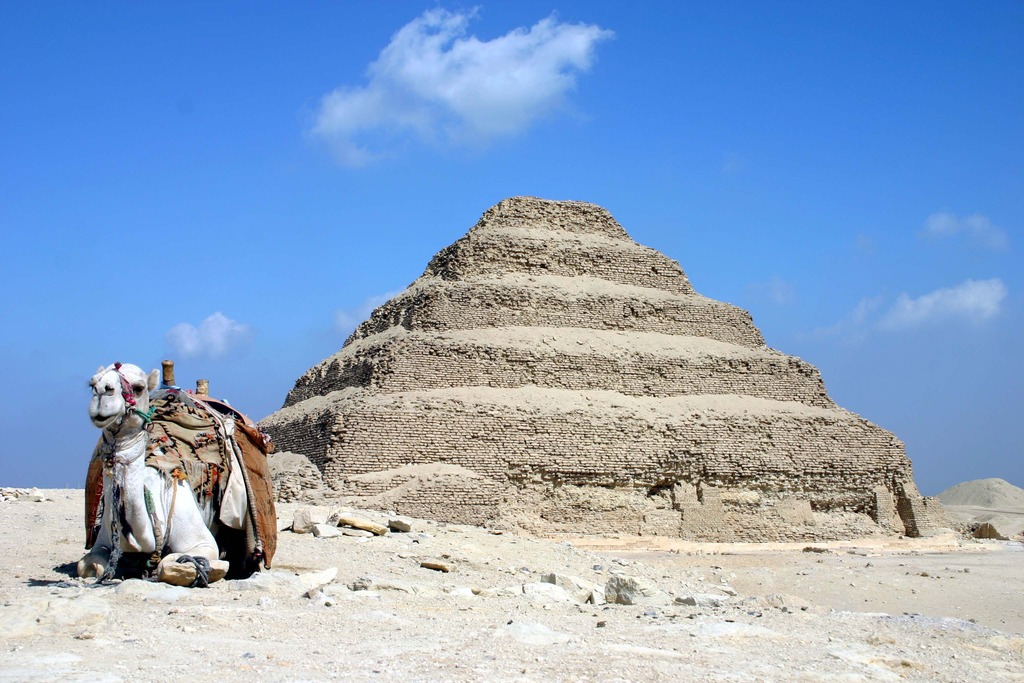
(120, 397)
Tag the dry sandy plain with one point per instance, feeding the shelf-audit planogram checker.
(364, 609)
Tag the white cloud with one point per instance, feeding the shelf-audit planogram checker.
(434, 83)
(213, 338)
(976, 228)
(854, 326)
(346, 319)
(971, 301)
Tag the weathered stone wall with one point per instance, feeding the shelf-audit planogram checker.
(528, 437)
(489, 253)
(435, 304)
(577, 384)
(393, 362)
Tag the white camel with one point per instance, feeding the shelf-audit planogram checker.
(140, 505)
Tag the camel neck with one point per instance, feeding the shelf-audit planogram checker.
(128, 447)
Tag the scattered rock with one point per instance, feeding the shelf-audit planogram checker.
(317, 579)
(306, 518)
(436, 565)
(326, 531)
(780, 601)
(400, 524)
(702, 600)
(578, 589)
(633, 590)
(359, 522)
(356, 533)
(548, 594)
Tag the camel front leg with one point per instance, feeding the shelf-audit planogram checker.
(189, 538)
(95, 562)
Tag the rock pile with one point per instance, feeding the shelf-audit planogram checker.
(548, 372)
(32, 495)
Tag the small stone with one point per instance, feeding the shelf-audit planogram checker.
(326, 531)
(318, 579)
(400, 524)
(436, 565)
(356, 533)
(702, 600)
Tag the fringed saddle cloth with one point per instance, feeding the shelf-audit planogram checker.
(221, 453)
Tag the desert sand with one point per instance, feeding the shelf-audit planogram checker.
(365, 609)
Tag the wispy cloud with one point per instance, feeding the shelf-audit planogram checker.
(972, 301)
(213, 338)
(346, 319)
(977, 229)
(854, 326)
(434, 83)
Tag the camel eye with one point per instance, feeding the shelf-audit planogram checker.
(138, 389)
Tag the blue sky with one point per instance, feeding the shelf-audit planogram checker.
(236, 185)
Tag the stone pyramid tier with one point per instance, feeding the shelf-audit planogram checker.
(633, 364)
(547, 372)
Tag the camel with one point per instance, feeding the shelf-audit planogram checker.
(152, 510)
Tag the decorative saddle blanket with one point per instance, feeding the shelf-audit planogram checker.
(223, 456)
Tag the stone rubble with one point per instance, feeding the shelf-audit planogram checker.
(364, 609)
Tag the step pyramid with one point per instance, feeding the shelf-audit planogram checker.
(547, 372)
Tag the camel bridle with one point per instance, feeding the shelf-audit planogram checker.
(130, 405)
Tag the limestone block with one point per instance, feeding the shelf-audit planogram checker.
(306, 518)
(184, 574)
(579, 590)
(359, 522)
(326, 531)
(633, 590)
(400, 524)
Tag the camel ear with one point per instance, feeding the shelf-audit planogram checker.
(153, 379)
(100, 369)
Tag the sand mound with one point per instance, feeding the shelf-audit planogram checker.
(987, 493)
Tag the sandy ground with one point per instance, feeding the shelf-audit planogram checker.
(925, 610)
